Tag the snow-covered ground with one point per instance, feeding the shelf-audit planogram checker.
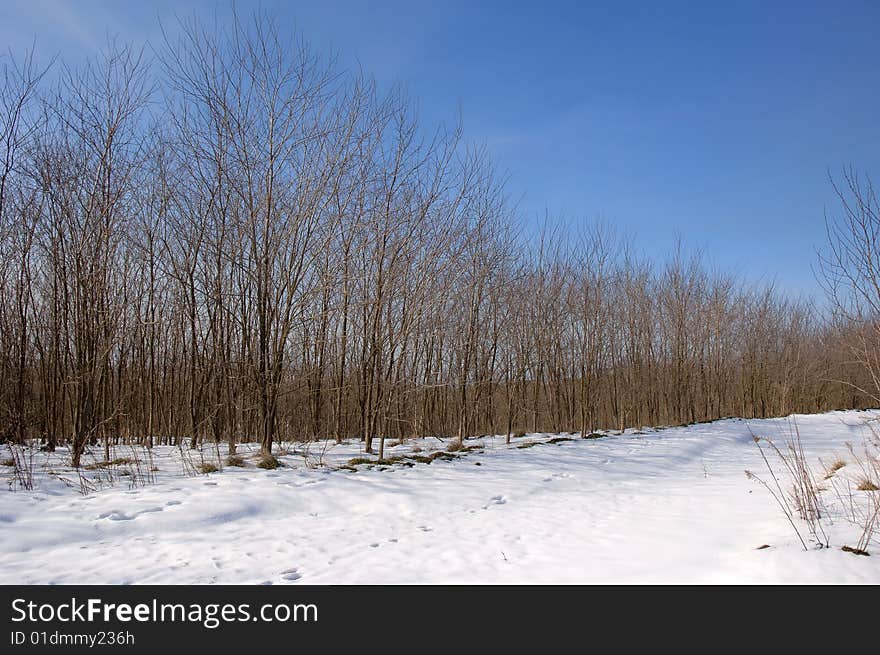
(652, 506)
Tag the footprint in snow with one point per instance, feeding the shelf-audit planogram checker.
(115, 515)
(291, 574)
(425, 528)
(495, 500)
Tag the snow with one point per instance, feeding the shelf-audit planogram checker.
(649, 506)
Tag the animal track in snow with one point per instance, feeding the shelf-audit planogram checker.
(118, 515)
(495, 500)
(291, 574)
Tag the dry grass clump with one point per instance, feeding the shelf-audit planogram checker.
(236, 460)
(836, 465)
(119, 461)
(268, 461)
(866, 484)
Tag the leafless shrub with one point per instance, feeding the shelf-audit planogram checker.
(312, 460)
(187, 459)
(799, 498)
(22, 462)
(863, 509)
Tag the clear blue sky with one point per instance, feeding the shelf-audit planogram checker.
(714, 123)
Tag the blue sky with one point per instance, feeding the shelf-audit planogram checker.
(716, 124)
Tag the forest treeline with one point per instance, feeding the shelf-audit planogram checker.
(237, 241)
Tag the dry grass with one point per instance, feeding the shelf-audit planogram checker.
(865, 484)
(119, 461)
(862, 511)
(836, 465)
(236, 460)
(268, 462)
(208, 467)
(801, 498)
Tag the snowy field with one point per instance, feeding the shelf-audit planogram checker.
(653, 506)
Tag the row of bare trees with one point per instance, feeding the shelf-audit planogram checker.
(236, 241)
